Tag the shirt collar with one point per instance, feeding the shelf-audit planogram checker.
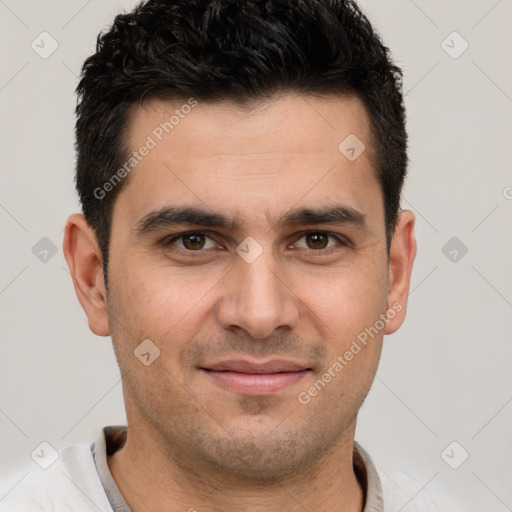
(112, 438)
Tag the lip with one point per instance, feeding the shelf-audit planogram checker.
(256, 378)
(245, 366)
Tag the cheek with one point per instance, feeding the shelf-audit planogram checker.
(347, 310)
(345, 301)
(161, 305)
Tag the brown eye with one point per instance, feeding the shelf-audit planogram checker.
(193, 241)
(317, 240)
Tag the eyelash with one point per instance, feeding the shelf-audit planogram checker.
(169, 241)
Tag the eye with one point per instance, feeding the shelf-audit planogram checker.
(318, 240)
(192, 241)
(199, 241)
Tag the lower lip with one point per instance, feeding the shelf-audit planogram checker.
(255, 383)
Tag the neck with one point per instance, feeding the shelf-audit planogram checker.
(169, 481)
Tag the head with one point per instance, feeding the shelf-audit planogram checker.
(245, 53)
(278, 131)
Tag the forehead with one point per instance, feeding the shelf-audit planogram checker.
(258, 158)
(302, 123)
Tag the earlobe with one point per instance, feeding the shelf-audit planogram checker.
(401, 258)
(84, 260)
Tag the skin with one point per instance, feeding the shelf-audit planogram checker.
(191, 442)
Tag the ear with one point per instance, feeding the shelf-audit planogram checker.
(85, 264)
(401, 257)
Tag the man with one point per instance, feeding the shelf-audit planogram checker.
(239, 166)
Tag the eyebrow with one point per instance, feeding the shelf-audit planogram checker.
(189, 215)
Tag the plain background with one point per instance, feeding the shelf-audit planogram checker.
(444, 377)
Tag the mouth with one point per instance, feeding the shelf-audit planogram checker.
(256, 378)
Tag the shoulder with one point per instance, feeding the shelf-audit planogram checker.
(400, 491)
(390, 490)
(69, 484)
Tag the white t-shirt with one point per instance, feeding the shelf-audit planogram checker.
(79, 480)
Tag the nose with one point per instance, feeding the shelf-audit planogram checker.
(258, 299)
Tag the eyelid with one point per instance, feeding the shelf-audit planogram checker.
(170, 239)
(340, 239)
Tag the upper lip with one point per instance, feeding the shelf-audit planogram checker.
(244, 366)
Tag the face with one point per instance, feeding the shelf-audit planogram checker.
(251, 251)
